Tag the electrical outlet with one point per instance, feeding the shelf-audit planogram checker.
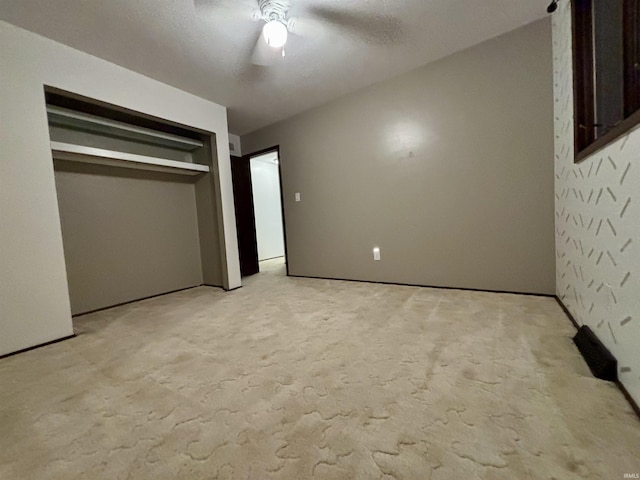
(376, 253)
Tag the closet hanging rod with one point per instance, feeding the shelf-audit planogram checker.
(62, 117)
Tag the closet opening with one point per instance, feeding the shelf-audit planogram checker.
(138, 201)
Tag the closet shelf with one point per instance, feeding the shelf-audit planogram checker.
(99, 156)
(61, 117)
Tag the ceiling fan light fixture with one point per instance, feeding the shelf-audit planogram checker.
(275, 34)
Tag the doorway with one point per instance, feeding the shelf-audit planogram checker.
(267, 205)
(259, 210)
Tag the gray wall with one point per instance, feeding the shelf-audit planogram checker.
(448, 169)
(127, 234)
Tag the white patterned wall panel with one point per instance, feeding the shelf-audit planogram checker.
(597, 224)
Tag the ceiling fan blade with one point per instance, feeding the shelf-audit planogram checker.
(242, 8)
(263, 54)
(204, 3)
(376, 29)
(306, 27)
(208, 4)
(246, 70)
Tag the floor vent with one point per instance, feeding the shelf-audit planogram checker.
(603, 365)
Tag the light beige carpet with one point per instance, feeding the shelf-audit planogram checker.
(298, 378)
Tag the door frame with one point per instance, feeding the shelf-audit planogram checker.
(275, 148)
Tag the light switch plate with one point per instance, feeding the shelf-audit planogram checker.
(297, 196)
(376, 253)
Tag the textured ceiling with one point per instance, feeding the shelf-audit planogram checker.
(206, 50)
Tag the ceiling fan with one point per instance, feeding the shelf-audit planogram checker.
(276, 25)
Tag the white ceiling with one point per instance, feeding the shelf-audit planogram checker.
(206, 50)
